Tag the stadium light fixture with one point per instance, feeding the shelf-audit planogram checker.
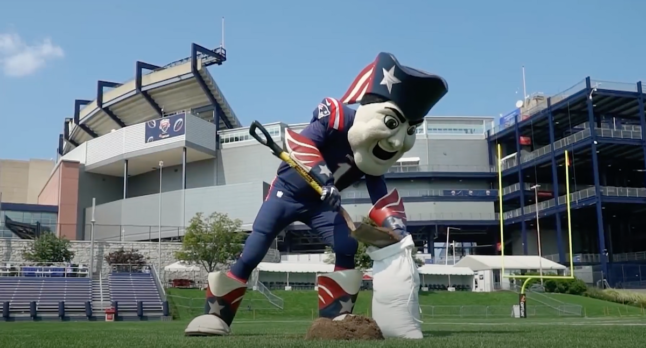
(538, 232)
(446, 253)
(451, 287)
(161, 167)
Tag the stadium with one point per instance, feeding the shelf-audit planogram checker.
(138, 161)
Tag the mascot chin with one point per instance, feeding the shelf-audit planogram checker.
(338, 148)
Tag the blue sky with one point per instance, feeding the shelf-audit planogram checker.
(286, 55)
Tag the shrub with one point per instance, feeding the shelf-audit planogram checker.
(126, 260)
(576, 287)
(561, 286)
(49, 249)
(625, 297)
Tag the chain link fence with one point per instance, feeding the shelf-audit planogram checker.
(499, 311)
(255, 308)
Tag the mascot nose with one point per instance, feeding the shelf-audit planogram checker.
(396, 142)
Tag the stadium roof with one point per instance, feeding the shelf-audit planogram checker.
(444, 270)
(490, 262)
(181, 86)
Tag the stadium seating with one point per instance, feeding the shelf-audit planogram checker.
(129, 288)
(47, 292)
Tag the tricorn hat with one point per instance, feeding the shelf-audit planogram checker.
(415, 92)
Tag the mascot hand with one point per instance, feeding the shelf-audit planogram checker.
(389, 212)
(331, 196)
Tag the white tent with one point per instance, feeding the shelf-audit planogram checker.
(181, 266)
(444, 274)
(491, 262)
(292, 273)
(294, 267)
(445, 270)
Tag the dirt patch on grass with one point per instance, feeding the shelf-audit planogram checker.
(352, 327)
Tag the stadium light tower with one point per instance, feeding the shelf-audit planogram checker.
(451, 288)
(161, 167)
(538, 232)
(446, 254)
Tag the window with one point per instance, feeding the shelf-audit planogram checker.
(48, 221)
(243, 135)
(455, 127)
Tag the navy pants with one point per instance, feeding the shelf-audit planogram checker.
(279, 210)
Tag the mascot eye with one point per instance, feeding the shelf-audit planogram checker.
(391, 122)
(412, 130)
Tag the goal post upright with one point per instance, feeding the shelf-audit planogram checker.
(522, 297)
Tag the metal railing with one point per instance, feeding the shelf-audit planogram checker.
(528, 187)
(533, 111)
(541, 105)
(430, 193)
(442, 168)
(575, 197)
(500, 311)
(51, 269)
(158, 283)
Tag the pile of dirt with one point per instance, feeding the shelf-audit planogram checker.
(352, 327)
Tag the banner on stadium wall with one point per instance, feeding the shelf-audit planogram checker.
(510, 118)
(165, 128)
(524, 141)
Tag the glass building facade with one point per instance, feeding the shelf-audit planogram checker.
(32, 214)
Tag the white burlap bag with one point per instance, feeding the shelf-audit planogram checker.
(395, 299)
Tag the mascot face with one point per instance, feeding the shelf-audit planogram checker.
(379, 136)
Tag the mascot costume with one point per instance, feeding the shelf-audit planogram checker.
(338, 148)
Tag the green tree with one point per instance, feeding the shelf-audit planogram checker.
(361, 259)
(48, 248)
(212, 242)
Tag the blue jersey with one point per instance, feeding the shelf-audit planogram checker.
(328, 131)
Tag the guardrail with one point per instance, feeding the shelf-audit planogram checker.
(54, 270)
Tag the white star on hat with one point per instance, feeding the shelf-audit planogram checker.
(389, 78)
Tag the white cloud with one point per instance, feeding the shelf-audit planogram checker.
(18, 58)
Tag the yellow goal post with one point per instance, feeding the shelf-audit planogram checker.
(527, 278)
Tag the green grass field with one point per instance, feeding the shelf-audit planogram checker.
(439, 333)
(605, 325)
(186, 304)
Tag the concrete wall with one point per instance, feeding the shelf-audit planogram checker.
(451, 154)
(138, 217)
(103, 188)
(198, 174)
(423, 211)
(22, 181)
(11, 251)
(408, 187)
(62, 189)
(249, 161)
